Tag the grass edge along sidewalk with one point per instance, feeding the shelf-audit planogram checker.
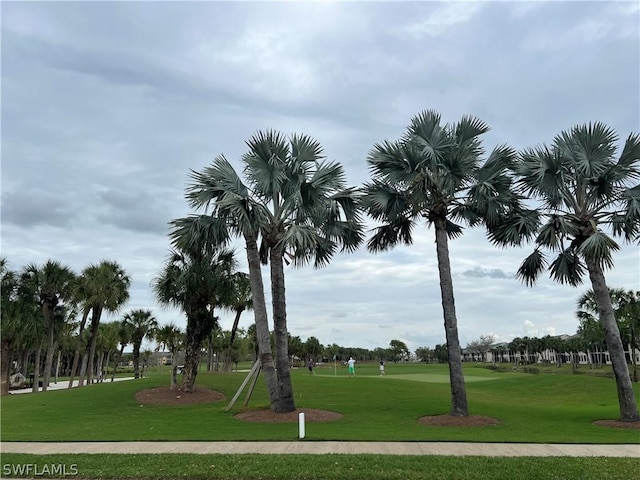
(316, 467)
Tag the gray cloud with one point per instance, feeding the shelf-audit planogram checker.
(479, 272)
(106, 107)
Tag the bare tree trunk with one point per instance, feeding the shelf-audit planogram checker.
(459, 405)
(76, 355)
(626, 397)
(261, 320)
(285, 388)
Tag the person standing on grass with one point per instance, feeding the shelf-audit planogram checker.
(310, 365)
(352, 367)
(381, 367)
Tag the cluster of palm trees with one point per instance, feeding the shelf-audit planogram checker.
(569, 198)
(39, 307)
(292, 206)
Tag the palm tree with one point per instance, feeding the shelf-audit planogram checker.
(586, 197)
(108, 337)
(433, 173)
(196, 280)
(242, 215)
(52, 284)
(304, 213)
(125, 332)
(107, 289)
(171, 337)
(142, 324)
(10, 315)
(240, 302)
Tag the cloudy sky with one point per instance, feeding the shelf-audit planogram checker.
(106, 107)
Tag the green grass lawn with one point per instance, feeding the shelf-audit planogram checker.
(531, 408)
(546, 408)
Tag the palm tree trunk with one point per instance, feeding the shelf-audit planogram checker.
(76, 355)
(234, 329)
(285, 388)
(48, 312)
(95, 321)
(136, 358)
(5, 369)
(174, 370)
(115, 366)
(458, 392)
(261, 320)
(35, 388)
(626, 396)
(193, 350)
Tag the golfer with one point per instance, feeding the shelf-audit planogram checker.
(352, 367)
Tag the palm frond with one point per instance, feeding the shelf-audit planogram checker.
(469, 128)
(383, 201)
(541, 174)
(590, 147)
(531, 268)
(305, 149)
(519, 226)
(453, 230)
(567, 268)
(390, 234)
(598, 248)
(197, 233)
(266, 163)
(630, 156)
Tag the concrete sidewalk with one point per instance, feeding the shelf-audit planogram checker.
(309, 447)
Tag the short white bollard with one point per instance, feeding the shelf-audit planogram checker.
(301, 424)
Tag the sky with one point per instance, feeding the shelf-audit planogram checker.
(106, 107)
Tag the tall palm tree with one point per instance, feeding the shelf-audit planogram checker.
(171, 337)
(240, 301)
(142, 324)
(107, 290)
(434, 173)
(586, 196)
(196, 280)
(305, 213)
(52, 284)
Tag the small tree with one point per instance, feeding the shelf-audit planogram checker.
(481, 346)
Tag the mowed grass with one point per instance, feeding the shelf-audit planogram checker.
(323, 467)
(541, 408)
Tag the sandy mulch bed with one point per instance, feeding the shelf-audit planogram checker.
(269, 416)
(455, 421)
(166, 396)
(617, 424)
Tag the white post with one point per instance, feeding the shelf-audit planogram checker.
(301, 424)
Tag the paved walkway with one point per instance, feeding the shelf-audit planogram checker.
(308, 447)
(61, 385)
